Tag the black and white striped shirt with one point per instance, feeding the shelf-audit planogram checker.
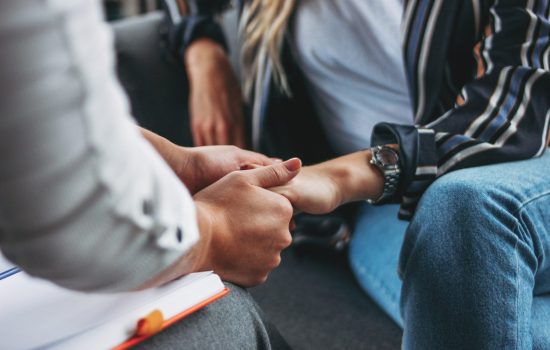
(479, 79)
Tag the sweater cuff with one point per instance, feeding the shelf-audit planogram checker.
(181, 35)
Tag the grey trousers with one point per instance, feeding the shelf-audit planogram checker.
(157, 87)
(233, 322)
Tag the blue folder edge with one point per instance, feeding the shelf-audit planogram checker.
(9, 272)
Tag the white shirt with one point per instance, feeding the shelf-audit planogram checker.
(84, 200)
(350, 52)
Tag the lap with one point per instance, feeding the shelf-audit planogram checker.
(479, 245)
(519, 182)
(487, 202)
(233, 322)
(521, 188)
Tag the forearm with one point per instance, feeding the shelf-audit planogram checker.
(356, 178)
(196, 259)
(203, 60)
(84, 201)
(321, 188)
(104, 232)
(202, 52)
(177, 157)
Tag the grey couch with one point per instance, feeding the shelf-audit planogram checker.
(312, 297)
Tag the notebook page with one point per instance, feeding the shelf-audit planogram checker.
(36, 313)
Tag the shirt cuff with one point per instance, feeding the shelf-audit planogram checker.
(417, 158)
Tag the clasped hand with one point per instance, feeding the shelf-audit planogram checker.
(244, 227)
(244, 215)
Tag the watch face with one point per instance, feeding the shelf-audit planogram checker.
(387, 156)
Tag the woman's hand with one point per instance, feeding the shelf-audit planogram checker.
(321, 188)
(215, 101)
(313, 191)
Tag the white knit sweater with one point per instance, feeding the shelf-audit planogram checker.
(85, 201)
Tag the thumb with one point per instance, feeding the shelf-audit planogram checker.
(275, 175)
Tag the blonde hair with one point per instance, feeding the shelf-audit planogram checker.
(263, 30)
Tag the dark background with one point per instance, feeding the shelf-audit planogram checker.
(118, 9)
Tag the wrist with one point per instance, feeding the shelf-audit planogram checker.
(195, 260)
(191, 167)
(205, 222)
(175, 156)
(182, 162)
(202, 53)
(356, 179)
(385, 159)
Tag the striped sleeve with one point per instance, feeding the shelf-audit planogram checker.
(501, 115)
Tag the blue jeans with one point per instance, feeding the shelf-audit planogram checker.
(474, 262)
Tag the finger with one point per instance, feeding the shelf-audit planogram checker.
(275, 175)
(197, 138)
(289, 193)
(237, 132)
(286, 191)
(249, 157)
(251, 166)
(238, 136)
(222, 134)
(207, 135)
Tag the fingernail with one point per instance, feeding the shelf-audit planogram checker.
(293, 164)
(277, 160)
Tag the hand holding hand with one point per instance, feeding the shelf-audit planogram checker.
(216, 103)
(247, 226)
(200, 167)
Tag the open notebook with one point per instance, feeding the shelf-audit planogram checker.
(38, 314)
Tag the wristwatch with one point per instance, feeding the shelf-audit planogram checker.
(387, 160)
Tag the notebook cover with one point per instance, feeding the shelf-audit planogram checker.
(138, 339)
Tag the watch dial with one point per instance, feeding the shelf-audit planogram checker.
(388, 156)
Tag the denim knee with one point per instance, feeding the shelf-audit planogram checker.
(460, 216)
(470, 258)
